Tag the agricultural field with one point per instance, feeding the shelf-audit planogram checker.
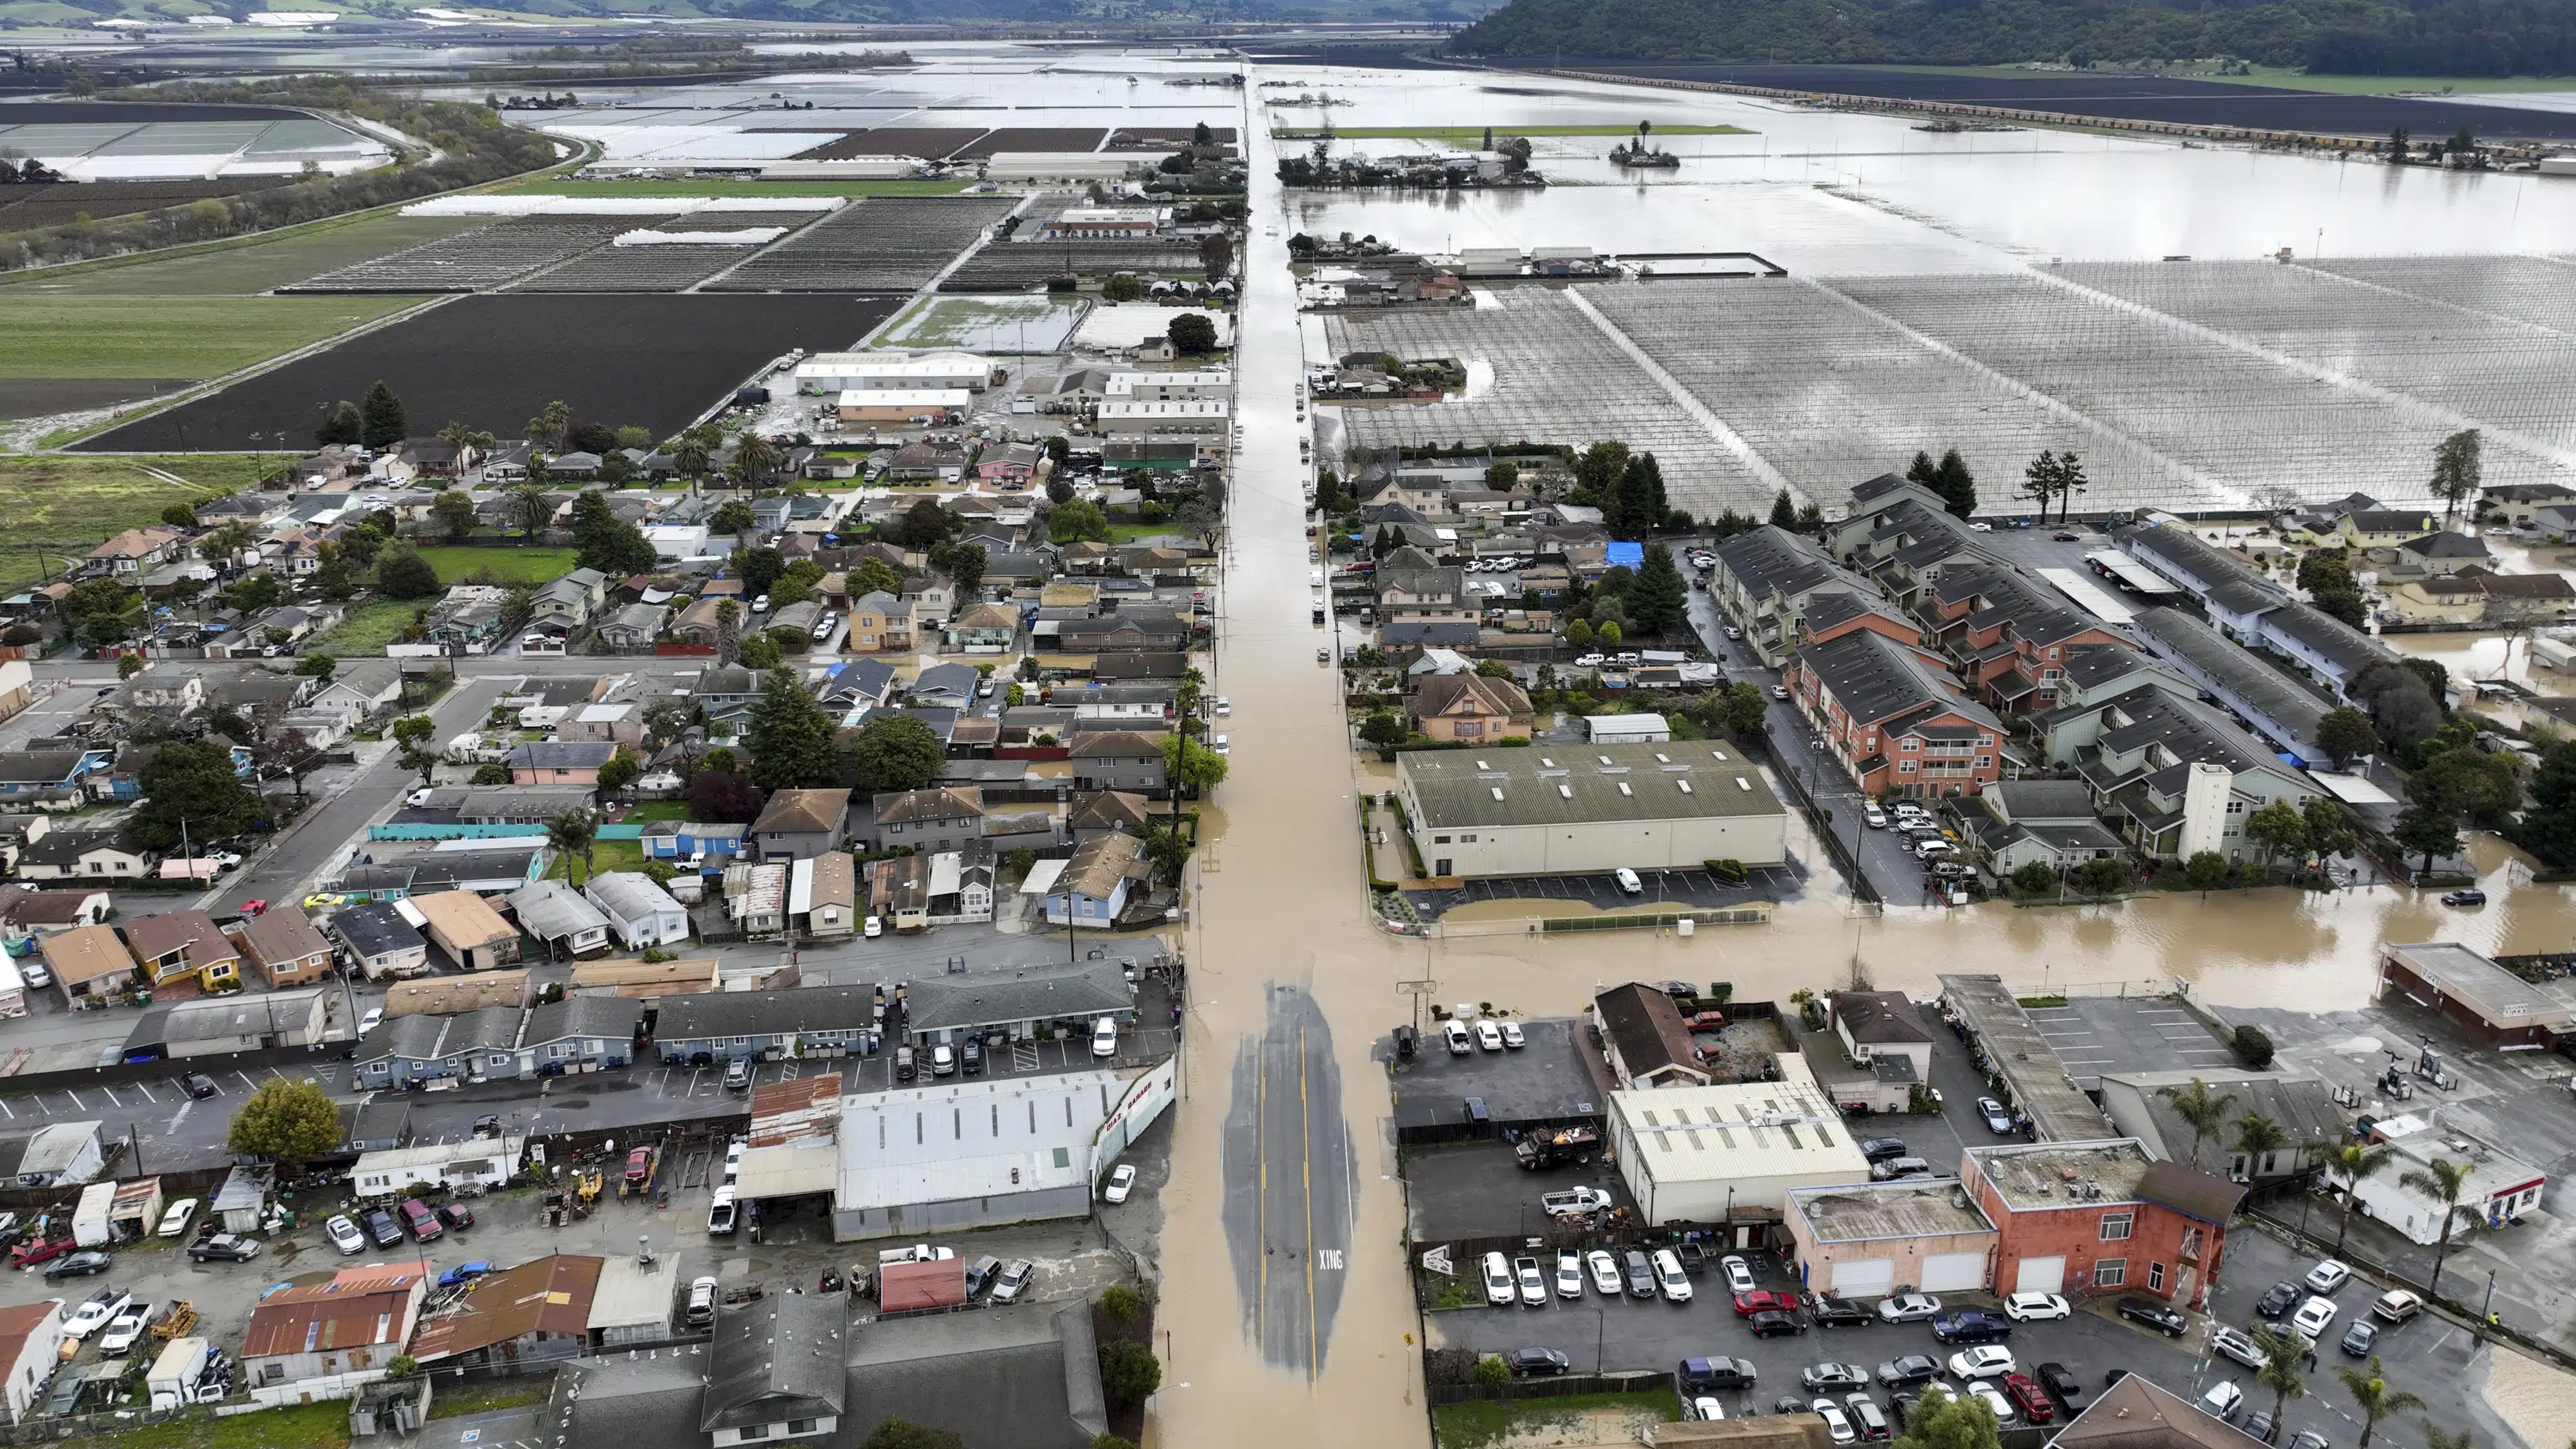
(1471, 137)
(193, 337)
(485, 257)
(751, 190)
(654, 360)
(1016, 266)
(887, 245)
(241, 267)
(508, 565)
(76, 503)
(1012, 325)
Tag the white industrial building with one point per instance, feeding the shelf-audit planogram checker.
(2500, 1186)
(839, 372)
(902, 404)
(1716, 1154)
(1584, 809)
(982, 1151)
(1165, 418)
(482, 1161)
(1201, 382)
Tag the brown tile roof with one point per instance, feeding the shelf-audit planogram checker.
(464, 918)
(802, 810)
(549, 1295)
(358, 1308)
(1099, 863)
(1118, 745)
(2191, 1192)
(1108, 810)
(1647, 1029)
(1470, 695)
(20, 1320)
(1878, 1016)
(836, 879)
(909, 806)
(2135, 1414)
(281, 936)
(192, 933)
(87, 953)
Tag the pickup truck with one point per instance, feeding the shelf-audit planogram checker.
(1574, 1202)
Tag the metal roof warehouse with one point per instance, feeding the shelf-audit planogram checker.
(1589, 808)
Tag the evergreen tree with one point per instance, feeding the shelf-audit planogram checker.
(1953, 481)
(790, 737)
(1784, 514)
(342, 425)
(1658, 601)
(381, 417)
(1641, 495)
(2549, 826)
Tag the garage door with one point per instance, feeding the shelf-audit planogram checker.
(1864, 1277)
(2041, 1275)
(1955, 1272)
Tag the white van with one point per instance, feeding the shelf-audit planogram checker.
(1628, 882)
(1104, 1037)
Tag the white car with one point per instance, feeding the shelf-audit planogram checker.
(1224, 706)
(1121, 1183)
(1104, 1037)
(374, 1018)
(875, 927)
(417, 798)
(1590, 661)
(1605, 1273)
(35, 974)
(1908, 1307)
(2314, 1317)
(1569, 1273)
(1498, 1280)
(1739, 1274)
(2327, 1276)
(1629, 885)
(1220, 744)
(92, 1316)
(122, 1330)
(1837, 1423)
(1512, 1038)
(1707, 1410)
(760, 605)
(1533, 1282)
(1669, 1275)
(1874, 817)
(1488, 1035)
(733, 1159)
(344, 1234)
(2222, 1401)
(1985, 1361)
(2035, 1307)
(1993, 1398)
(1454, 1032)
(175, 1221)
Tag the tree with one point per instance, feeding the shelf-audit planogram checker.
(2070, 481)
(1080, 519)
(1123, 287)
(2206, 871)
(1784, 514)
(904, 1434)
(1658, 602)
(2258, 1137)
(179, 515)
(381, 421)
(191, 793)
(2471, 783)
(1194, 331)
(342, 426)
(966, 567)
(694, 451)
(728, 631)
(1609, 634)
(1954, 482)
(1129, 1372)
(2435, 1437)
(2353, 1161)
(924, 524)
(1578, 634)
(1191, 765)
(469, 443)
(2039, 481)
(2344, 733)
(2427, 831)
(734, 516)
(574, 833)
(756, 459)
(608, 543)
(1382, 729)
(499, 774)
(2203, 1110)
(316, 666)
(1940, 1421)
(2328, 580)
(454, 513)
(226, 541)
(413, 732)
(790, 736)
(2277, 829)
(621, 770)
(548, 427)
(2372, 1395)
(760, 568)
(2445, 1182)
(531, 508)
(2282, 1353)
(892, 752)
(287, 1122)
(2034, 878)
(1492, 1372)
(2459, 470)
(2330, 831)
(2252, 1045)
(2101, 877)
(130, 665)
(2400, 702)
(1642, 509)
(401, 573)
(2549, 824)
(723, 797)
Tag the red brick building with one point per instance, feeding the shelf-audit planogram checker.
(2101, 1217)
(1895, 718)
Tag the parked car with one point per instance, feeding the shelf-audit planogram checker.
(1831, 1312)
(1698, 1375)
(380, 1226)
(1498, 1280)
(1739, 1274)
(970, 1056)
(456, 1214)
(1016, 1277)
(2224, 1401)
(464, 1273)
(1605, 1272)
(117, 1339)
(1122, 1181)
(1104, 1037)
(2359, 1337)
(2327, 1276)
(1993, 1398)
(1764, 1300)
(1776, 1325)
(1569, 1273)
(1512, 1039)
(2278, 1299)
(1837, 1423)
(2153, 1314)
(980, 1274)
(197, 1085)
(92, 1316)
(222, 1248)
(422, 1222)
(1985, 1361)
(1488, 1035)
(1574, 1202)
(1536, 1362)
(723, 1214)
(1971, 1325)
(1670, 1277)
(175, 1221)
(2240, 1346)
(1905, 1372)
(2314, 1317)
(1533, 1283)
(2397, 1305)
(77, 1265)
(1879, 1149)
(1834, 1378)
(1640, 1273)
(737, 1074)
(2061, 1381)
(1908, 1308)
(1997, 1120)
(344, 1234)
(943, 1060)
(2035, 1307)
(701, 1312)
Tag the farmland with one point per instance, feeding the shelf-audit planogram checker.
(656, 361)
(76, 503)
(194, 337)
(507, 565)
(753, 190)
(890, 245)
(1473, 136)
(239, 268)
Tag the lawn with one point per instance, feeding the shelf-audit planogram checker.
(605, 856)
(304, 1426)
(367, 630)
(653, 810)
(736, 188)
(78, 503)
(489, 1396)
(168, 337)
(509, 565)
(1486, 1421)
(243, 267)
(1474, 136)
(1122, 533)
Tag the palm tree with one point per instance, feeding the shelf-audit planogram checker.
(2435, 1437)
(2258, 1136)
(690, 454)
(2370, 1391)
(529, 504)
(2205, 1111)
(574, 832)
(2280, 1372)
(757, 458)
(2354, 1161)
(2443, 1182)
(226, 542)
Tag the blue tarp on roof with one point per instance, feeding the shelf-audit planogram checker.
(1624, 555)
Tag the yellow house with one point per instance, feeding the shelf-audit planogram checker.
(879, 623)
(184, 943)
(2384, 527)
(2474, 598)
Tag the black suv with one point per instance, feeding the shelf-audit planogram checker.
(2278, 1299)
(1880, 1149)
(380, 1226)
(1775, 1324)
(1700, 1375)
(970, 1056)
(2061, 1381)
(1833, 1312)
(1531, 1362)
(1914, 1368)
(2154, 1315)
(1971, 1325)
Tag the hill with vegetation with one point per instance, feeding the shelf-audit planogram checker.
(2343, 37)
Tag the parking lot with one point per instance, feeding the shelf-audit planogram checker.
(2097, 1034)
(1661, 887)
(2427, 1357)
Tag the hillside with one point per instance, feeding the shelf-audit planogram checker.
(2345, 37)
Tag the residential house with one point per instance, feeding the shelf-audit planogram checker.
(2006, 638)
(2193, 659)
(2247, 606)
(1018, 1006)
(880, 623)
(822, 896)
(1770, 580)
(382, 942)
(637, 908)
(177, 944)
(961, 885)
(360, 1320)
(469, 618)
(2143, 1105)
(1644, 1040)
(1467, 707)
(798, 823)
(584, 1032)
(1129, 760)
(27, 914)
(1415, 588)
(755, 901)
(691, 845)
(529, 1314)
(2046, 822)
(762, 1025)
(50, 779)
(2171, 775)
(927, 462)
(2474, 598)
(698, 623)
(560, 762)
(2369, 528)
(138, 551)
(364, 688)
(930, 820)
(1895, 719)
(2518, 505)
(555, 914)
(633, 627)
(1105, 876)
(1129, 631)
(282, 942)
(949, 686)
(2138, 1225)
(2444, 552)
(984, 629)
(1108, 810)
(83, 855)
(617, 723)
(89, 963)
(567, 603)
(473, 935)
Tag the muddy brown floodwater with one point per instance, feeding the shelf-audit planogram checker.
(1287, 1315)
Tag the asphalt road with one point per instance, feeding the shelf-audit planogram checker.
(1288, 1184)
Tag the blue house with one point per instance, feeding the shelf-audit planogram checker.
(712, 846)
(763, 1025)
(62, 774)
(1098, 883)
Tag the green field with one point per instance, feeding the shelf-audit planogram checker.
(735, 188)
(301, 1426)
(605, 856)
(164, 337)
(367, 630)
(79, 502)
(509, 565)
(1472, 136)
(233, 269)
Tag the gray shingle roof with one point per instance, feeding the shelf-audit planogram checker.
(1876, 679)
(762, 1013)
(1063, 992)
(776, 1359)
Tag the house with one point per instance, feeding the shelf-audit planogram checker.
(138, 551)
(382, 942)
(2283, 710)
(2171, 776)
(2045, 822)
(1895, 719)
(822, 896)
(50, 778)
(566, 762)
(2475, 598)
(1644, 1040)
(931, 820)
(961, 885)
(1774, 583)
(637, 908)
(179, 944)
(359, 1320)
(284, 945)
(2498, 1186)
(763, 1025)
(560, 917)
(1877, 1026)
(537, 1311)
(83, 855)
(361, 687)
(2142, 1105)
(1129, 760)
(569, 602)
(2006, 637)
(472, 934)
(984, 629)
(31, 1340)
(949, 686)
(35, 914)
(927, 462)
(477, 1161)
(2444, 552)
(234, 1022)
(2079, 1218)
(89, 963)
(2477, 994)
(633, 626)
(880, 623)
(799, 823)
(1019, 1006)
(776, 1370)
(755, 901)
(690, 844)
(2518, 505)
(476, 1046)
(1097, 884)
(2369, 528)
(1467, 707)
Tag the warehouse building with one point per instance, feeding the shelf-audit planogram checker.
(1577, 809)
(1872, 1239)
(1732, 1152)
(838, 372)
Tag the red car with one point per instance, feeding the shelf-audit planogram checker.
(1708, 1021)
(2030, 1398)
(28, 1255)
(1763, 1300)
(639, 1166)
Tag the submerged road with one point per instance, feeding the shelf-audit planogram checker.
(1288, 1183)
